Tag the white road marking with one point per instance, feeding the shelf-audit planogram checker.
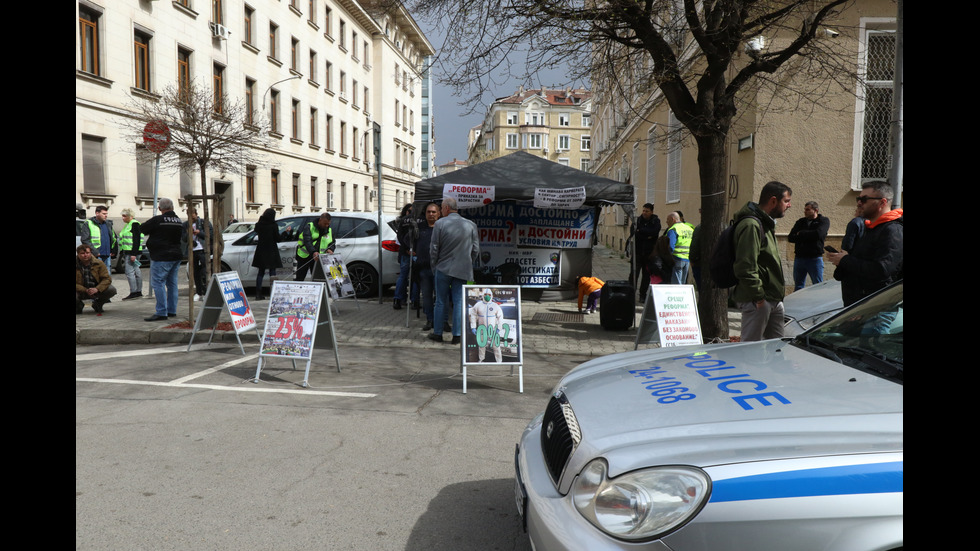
(182, 382)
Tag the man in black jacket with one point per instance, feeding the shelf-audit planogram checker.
(165, 231)
(877, 258)
(809, 234)
(645, 235)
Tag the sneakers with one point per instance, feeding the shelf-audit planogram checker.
(434, 337)
(131, 296)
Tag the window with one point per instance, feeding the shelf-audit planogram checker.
(585, 143)
(328, 78)
(534, 118)
(274, 112)
(343, 138)
(296, 189)
(874, 106)
(354, 148)
(398, 109)
(584, 165)
(141, 58)
(183, 71)
(353, 45)
(249, 102)
(343, 35)
(273, 41)
(533, 141)
(326, 22)
(587, 120)
(564, 119)
(674, 150)
(353, 92)
(329, 136)
(312, 66)
(249, 19)
(93, 164)
(219, 91)
(88, 30)
(651, 165)
(512, 141)
(294, 55)
(564, 141)
(274, 187)
(313, 125)
(295, 120)
(312, 12)
(216, 12)
(343, 85)
(250, 184)
(313, 191)
(512, 117)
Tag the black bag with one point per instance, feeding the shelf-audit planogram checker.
(722, 263)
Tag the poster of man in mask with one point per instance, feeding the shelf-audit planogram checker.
(492, 318)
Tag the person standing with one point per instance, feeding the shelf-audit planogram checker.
(877, 258)
(166, 233)
(98, 233)
(645, 234)
(809, 234)
(455, 246)
(195, 230)
(92, 280)
(854, 229)
(130, 241)
(679, 234)
(266, 257)
(423, 263)
(408, 231)
(760, 288)
(315, 238)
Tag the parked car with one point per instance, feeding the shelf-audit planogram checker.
(811, 305)
(357, 243)
(793, 443)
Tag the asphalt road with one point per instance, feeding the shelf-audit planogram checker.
(177, 450)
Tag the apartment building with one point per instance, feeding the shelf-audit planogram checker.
(324, 75)
(555, 124)
(824, 150)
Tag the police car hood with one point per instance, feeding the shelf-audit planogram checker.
(718, 404)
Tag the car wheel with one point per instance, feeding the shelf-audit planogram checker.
(364, 278)
(225, 267)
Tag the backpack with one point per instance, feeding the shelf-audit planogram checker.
(722, 263)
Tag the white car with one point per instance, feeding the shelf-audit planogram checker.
(784, 444)
(236, 230)
(356, 234)
(811, 305)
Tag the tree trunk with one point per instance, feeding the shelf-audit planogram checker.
(712, 165)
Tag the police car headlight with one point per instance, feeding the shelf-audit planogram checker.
(640, 505)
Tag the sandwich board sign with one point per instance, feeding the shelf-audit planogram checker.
(339, 284)
(225, 293)
(491, 328)
(670, 317)
(297, 323)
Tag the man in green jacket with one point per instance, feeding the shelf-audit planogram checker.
(760, 288)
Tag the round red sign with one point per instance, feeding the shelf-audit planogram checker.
(156, 136)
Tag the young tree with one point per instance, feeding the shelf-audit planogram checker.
(690, 50)
(208, 130)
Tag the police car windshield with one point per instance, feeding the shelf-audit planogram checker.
(868, 336)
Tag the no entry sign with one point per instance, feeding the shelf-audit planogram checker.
(156, 136)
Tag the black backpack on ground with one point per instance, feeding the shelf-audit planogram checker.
(722, 263)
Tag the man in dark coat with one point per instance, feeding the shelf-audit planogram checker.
(809, 234)
(877, 258)
(645, 235)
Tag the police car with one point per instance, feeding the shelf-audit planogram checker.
(780, 444)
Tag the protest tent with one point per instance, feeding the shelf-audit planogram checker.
(514, 179)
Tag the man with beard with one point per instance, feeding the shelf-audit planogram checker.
(760, 288)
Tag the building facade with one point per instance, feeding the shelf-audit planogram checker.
(323, 73)
(822, 151)
(553, 124)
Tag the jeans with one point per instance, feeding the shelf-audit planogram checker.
(679, 274)
(260, 277)
(427, 289)
(134, 276)
(163, 280)
(807, 266)
(448, 289)
(404, 263)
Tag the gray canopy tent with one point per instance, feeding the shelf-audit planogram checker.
(514, 178)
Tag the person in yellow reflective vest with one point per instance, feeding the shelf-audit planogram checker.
(314, 239)
(130, 240)
(679, 233)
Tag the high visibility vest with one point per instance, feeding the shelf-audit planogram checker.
(95, 234)
(682, 249)
(126, 238)
(324, 240)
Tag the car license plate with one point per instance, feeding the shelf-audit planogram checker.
(520, 494)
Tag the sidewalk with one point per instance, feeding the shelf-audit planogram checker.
(548, 327)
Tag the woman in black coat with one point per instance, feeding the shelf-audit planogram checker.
(266, 249)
